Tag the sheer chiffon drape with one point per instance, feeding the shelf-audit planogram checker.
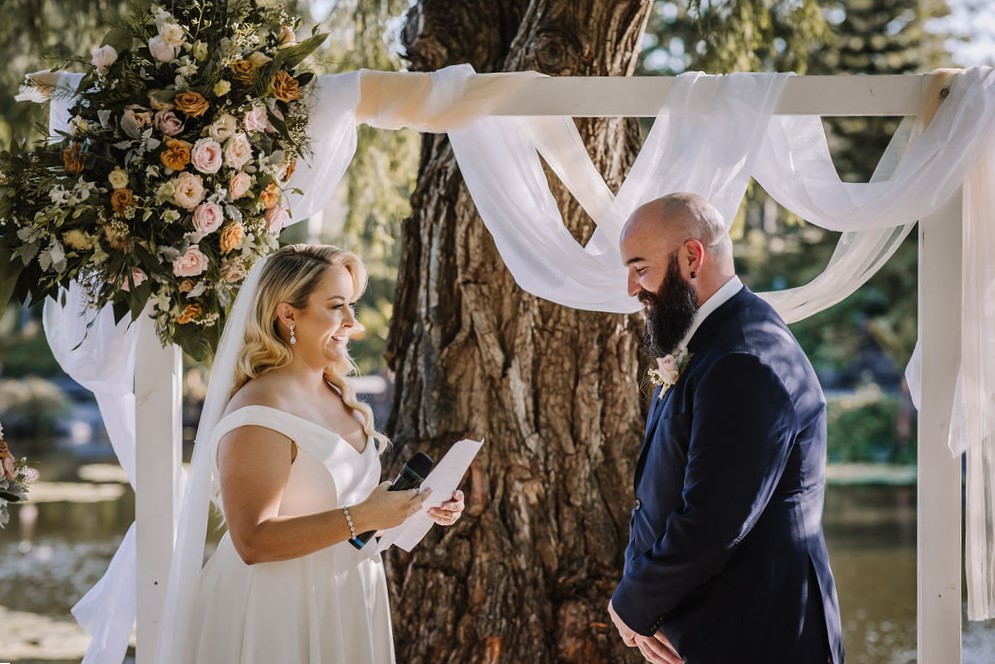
(707, 139)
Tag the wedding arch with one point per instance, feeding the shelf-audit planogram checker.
(711, 134)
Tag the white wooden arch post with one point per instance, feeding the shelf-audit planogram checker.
(158, 370)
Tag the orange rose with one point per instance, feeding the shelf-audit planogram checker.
(190, 313)
(285, 87)
(186, 285)
(244, 71)
(121, 199)
(191, 104)
(72, 158)
(177, 154)
(231, 237)
(270, 196)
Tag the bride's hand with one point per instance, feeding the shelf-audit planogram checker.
(385, 509)
(448, 512)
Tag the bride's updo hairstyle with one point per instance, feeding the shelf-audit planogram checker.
(290, 275)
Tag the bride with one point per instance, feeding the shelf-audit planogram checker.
(292, 461)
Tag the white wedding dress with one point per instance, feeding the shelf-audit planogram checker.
(328, 607)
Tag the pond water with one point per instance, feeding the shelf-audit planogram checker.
(56, 547)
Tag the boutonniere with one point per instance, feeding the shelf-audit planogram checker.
(669, 370)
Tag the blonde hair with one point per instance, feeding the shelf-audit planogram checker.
(291, 274)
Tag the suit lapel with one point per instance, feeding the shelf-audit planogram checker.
(697, 344)
(652, 420)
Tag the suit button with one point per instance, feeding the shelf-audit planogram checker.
(638, 504)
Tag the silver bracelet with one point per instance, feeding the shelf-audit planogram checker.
(348, 519)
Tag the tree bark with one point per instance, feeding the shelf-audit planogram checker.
(527, 573)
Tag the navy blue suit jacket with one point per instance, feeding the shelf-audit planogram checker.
(726, 553)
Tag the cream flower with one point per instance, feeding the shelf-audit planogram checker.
(118, 178)
(172, 34)
(221, 88)
(223, 128)
(238, 151)
(188, 190)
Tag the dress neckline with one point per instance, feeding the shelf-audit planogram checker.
(315, 425)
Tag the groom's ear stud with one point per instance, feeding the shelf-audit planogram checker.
(694, 275)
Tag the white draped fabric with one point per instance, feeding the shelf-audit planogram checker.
(707, 139)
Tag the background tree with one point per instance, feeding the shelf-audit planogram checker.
(527, 575)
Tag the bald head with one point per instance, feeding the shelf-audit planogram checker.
(681, 225)
(680, 216)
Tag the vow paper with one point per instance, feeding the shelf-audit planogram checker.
(443, 480)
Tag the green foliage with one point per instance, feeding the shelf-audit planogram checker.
(861, 428)
(731, 35)
(24, 350)
(376, 189)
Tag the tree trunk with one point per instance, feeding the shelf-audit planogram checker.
(527, 574)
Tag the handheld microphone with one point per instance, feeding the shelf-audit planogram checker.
(412, 474)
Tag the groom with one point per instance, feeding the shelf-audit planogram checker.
(726, 562)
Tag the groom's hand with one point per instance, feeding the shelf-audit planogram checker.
(656, 648)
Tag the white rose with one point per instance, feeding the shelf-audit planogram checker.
(238, 151)
(223, 128)
(161, 51)
(172, 34)
(118, 178)
(103, 58)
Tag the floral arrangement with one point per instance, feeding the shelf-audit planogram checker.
(170, 181)
(668, 370)
(16, 477)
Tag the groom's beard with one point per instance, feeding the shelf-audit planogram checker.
(669, 312)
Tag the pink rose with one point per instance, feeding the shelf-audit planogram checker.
(206, 155)
(103, 58)
(138, 276)
(161, 51)
(668, 369)
(276, 219)
(168, 123)
(190, 264)
(257, 120)
(188, 190)
(238, 151)
(239, 185)
(208, 218)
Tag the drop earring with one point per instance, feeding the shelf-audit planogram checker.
(293, 337)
